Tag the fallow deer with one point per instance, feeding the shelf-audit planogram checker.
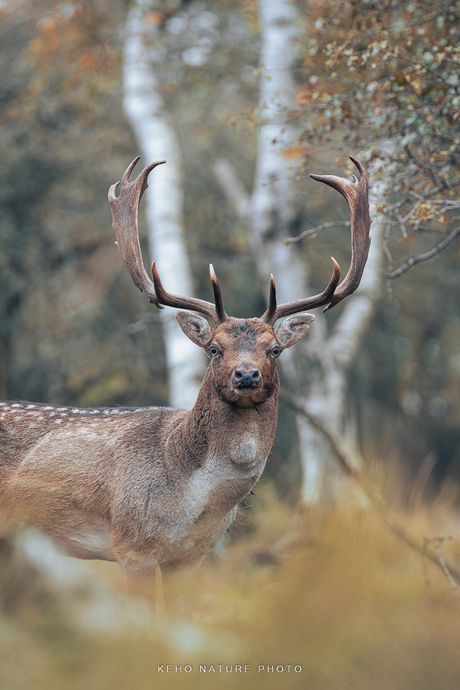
(157, 486)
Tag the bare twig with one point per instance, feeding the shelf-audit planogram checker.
(343, 461)
(447, 242)
(414, 61)
(445, 184)
(401, 221)
(446, 208)
(313, 231)
(446, 569)
(415, 195)
(386, 249)
(411, 212)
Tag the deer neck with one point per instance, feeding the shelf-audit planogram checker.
(227, 443)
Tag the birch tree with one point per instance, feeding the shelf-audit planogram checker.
(316, 370)
(386, 79)
(157, 140)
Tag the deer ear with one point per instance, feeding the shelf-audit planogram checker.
(195, 327)
(292, 329)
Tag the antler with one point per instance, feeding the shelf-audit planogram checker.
(356, 193)
(124, 214)
(215, 311)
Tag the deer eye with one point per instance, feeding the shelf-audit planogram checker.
(276, 351)
(213, 350)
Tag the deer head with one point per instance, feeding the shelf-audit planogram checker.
(243, 352)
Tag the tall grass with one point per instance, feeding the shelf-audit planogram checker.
(334, 592)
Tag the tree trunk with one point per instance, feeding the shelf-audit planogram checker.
(144, 108)
(329, 360)
(316, 368)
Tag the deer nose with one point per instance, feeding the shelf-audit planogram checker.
(246, 376)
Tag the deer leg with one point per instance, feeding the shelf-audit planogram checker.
(159, 594)
(136, 566)
(144, 577)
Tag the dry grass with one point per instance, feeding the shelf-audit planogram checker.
(336, 593)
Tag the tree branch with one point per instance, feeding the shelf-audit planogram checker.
(313, 231)
(445, 567)
(146, 112)
(232, 188)
(442, 246)
(345, 465)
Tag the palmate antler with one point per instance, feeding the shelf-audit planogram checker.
(125, 212)
(356, 193)
(124, 215)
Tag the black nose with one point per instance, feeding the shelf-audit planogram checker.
(246, 379)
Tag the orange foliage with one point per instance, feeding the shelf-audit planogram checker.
(43, 48)
(87, 62)
(154, 18)
(293, 152)
(76, 46)
(301, 98)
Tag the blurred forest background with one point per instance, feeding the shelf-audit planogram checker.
(375, 80)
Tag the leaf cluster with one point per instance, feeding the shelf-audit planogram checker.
(372, 73)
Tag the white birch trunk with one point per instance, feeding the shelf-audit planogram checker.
(272, 210)
(316, 368)
(327, 398)
(144, 108)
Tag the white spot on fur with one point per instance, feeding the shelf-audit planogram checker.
(30, 407)
(246, 451)
(98, 540)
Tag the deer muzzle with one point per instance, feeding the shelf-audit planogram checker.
(246, 377)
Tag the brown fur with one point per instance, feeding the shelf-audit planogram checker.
(147, 486)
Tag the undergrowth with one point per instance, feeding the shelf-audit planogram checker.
(334, 593)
